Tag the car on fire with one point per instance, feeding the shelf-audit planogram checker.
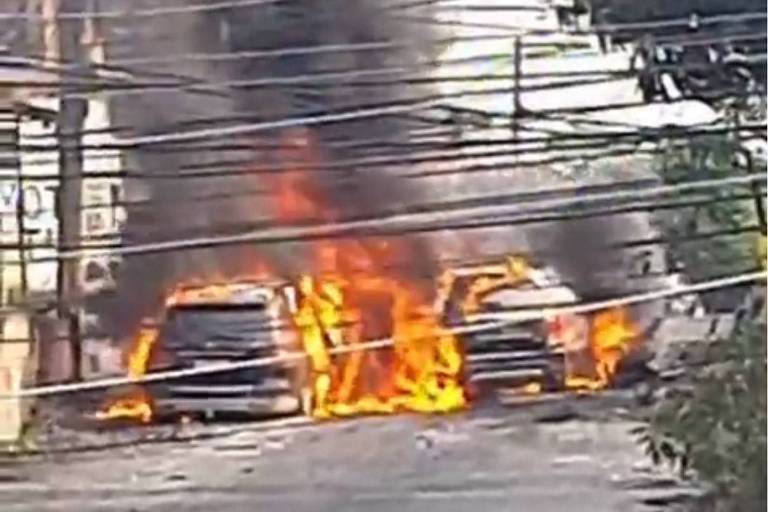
(229, 323)
(513, 351)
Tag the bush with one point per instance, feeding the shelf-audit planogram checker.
(715, 429)
(733, 250)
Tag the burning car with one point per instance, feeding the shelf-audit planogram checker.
(225, 324)
(526, 352)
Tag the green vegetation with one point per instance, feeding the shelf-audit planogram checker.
(715, 430)
(705, 158)
(711, 425)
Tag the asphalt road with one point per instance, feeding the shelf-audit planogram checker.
(492, 459)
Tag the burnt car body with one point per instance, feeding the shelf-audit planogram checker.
(514, 351)
(239, 322)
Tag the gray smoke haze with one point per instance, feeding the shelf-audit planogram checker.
(579, 250)
(172, 210)
(181, 208)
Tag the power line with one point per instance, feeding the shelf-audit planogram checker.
(276, 53)
(399, 107)
(240, 192)
(498, 320)
(605, 28)
(458, 94)
(628, 300)
(524, 217)
(682, 22)
(327, 79)
(381, 225)
(603, 135)
(143, 13)
(366, 78)
(676, 40)
(537, 255)
(239, 169)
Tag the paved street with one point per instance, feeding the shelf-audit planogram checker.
(541, 459)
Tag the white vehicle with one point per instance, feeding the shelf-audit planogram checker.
(524, 347)
(229, 323)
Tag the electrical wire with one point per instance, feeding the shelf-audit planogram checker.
(239, 193)
(387, 224)
(417, 79)
(497, 320)
(142, 13)
(373, 110)
(612, 28)
(526, 217)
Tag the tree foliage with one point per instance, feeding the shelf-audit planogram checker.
(715, 429)
(704, 158)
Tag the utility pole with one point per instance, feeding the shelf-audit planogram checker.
(516, 103)
(70, 126)
(21, 212)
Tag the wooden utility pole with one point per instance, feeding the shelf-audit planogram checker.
(70, 126)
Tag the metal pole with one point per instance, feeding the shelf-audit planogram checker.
(70, 125)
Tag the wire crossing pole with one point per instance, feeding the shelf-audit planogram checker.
(70, 126)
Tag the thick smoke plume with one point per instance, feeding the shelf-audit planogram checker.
(584, 252)
(167, 206)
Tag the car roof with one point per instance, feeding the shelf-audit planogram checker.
(240, 292)
(551, 296)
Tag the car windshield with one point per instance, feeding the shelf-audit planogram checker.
(200, 325)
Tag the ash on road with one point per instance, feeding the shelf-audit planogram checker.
(491, 459)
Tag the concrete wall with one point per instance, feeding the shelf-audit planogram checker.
(17, 369)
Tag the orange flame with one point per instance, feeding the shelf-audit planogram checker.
(217, 287)
(353, 298)
(515, 272)
(421, 372)
(611, 335)
(136, 404)
(593, 345)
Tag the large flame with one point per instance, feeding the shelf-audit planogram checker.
(610, 335)
(137, 403)
(421, 372)
(353, 296)
(613, 335)
(593, 344)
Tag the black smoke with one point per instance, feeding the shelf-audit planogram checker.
(587, 254)
(163, 205)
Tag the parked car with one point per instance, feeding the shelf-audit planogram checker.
(511, 353)
(228, 324)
